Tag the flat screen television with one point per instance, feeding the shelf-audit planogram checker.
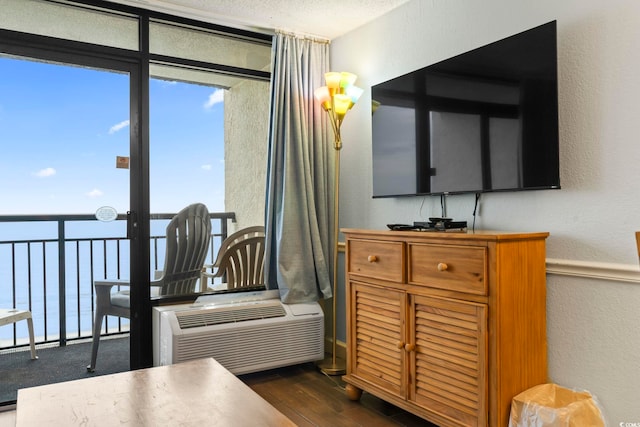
(482, 121)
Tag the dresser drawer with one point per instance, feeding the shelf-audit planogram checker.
(455, 268)
(377, 259)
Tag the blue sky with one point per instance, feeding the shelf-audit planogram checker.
(61, 129)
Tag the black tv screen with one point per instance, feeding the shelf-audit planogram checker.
(485, 120)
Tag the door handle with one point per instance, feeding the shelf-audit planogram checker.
(132, 225)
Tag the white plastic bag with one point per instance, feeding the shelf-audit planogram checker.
(549, 405)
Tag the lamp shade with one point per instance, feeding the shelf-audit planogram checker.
(332, 79)
(323, 96)
(354, 93)
(347, 79)
(341, 103)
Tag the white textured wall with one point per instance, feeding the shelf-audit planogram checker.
(245, 151)
(593, 325)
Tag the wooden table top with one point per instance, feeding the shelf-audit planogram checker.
(196, 393)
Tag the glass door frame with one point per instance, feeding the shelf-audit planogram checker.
(131, 62)
(136, 63)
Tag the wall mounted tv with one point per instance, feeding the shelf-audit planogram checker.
(485, 120)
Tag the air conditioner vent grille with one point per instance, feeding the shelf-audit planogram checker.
(237, 314)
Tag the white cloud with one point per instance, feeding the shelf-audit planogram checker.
(206, 167)
(95, 193)
(215, 98)
(43, 173)
(115, 128)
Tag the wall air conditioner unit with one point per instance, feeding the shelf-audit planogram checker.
(244, 333)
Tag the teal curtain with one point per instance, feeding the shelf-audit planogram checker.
(300, 174)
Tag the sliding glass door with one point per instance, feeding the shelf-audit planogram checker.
(66, 188)
(110, 115)
(65, 133)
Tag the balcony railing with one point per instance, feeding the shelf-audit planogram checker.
(48, 264)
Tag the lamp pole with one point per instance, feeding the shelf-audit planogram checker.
(335, 368)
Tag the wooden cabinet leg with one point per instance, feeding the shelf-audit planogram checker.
(353, 392)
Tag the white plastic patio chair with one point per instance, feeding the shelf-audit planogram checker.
(10, 316)
(240, 260)
(188, 238)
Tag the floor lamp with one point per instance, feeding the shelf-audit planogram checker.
(336, 98)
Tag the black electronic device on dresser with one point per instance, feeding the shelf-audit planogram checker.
(434, 224)
(485, 120)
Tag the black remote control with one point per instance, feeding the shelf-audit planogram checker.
(397, 227)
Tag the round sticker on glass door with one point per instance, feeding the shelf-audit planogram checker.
(106, 214)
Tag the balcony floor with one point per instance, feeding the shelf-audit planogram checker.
(57, 364)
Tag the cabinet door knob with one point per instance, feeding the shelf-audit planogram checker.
(442, 266)
(410, 347)
(372, 258)
(400, 345)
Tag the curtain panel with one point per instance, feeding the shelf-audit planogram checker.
(300, 174)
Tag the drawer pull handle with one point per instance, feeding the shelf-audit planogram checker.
(372, 258)
(400, 345)
(410, 347)
(442, 266)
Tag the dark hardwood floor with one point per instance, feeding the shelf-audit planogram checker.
(310, 398)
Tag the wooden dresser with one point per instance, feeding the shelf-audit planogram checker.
(447, 325)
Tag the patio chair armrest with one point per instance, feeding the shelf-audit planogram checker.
(216, 273)
(103, 287)
(103, 290)
(205, 275)
(111, 283)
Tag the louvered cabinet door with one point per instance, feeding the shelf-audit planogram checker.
(448, 361)
(378, 336)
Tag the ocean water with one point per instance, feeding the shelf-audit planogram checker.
(29, 272)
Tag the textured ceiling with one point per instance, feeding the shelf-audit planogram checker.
(319, 18)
